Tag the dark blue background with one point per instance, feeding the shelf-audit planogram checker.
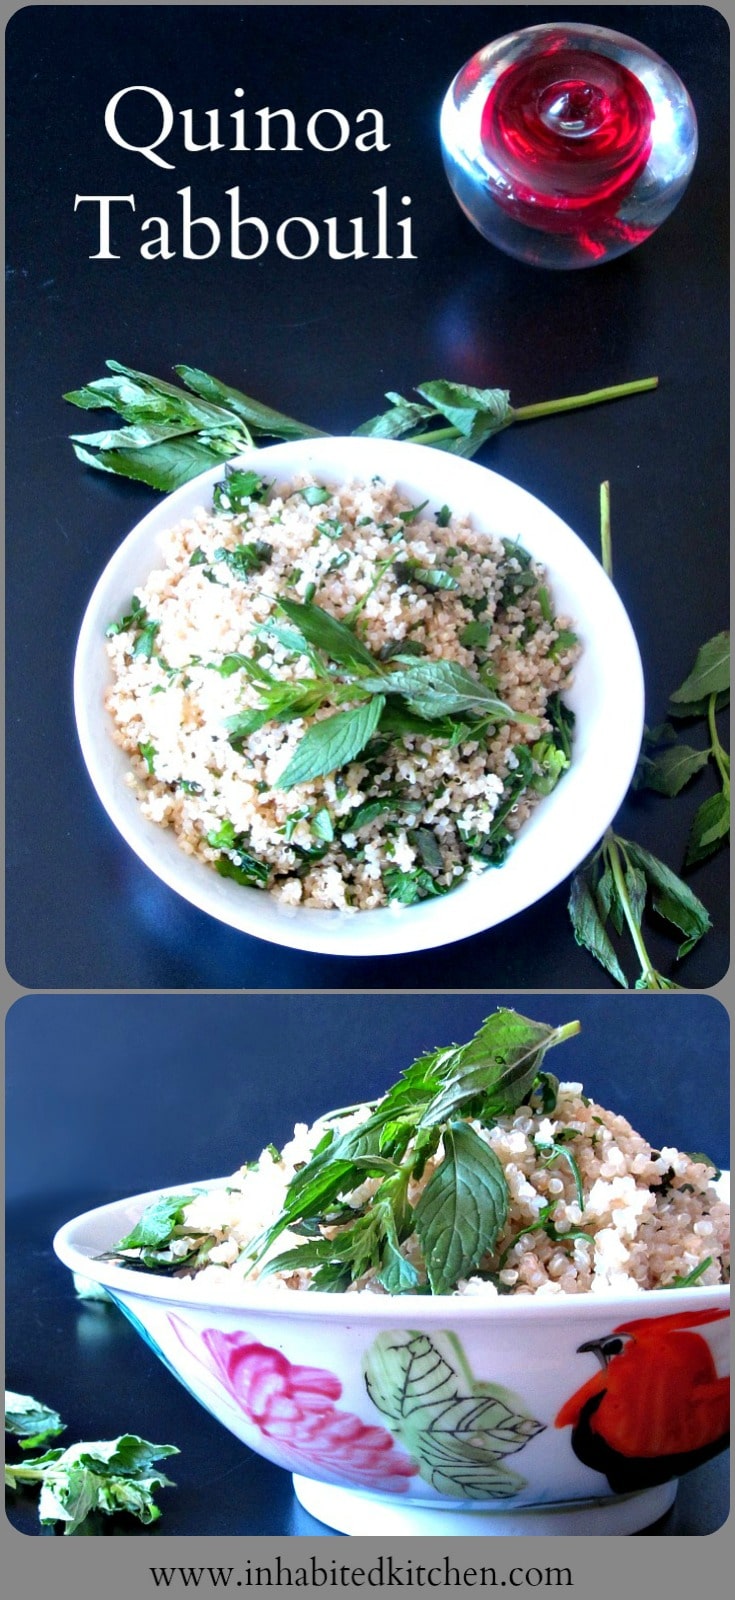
(117, 1094)
(323, 340)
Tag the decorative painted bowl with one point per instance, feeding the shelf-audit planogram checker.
(607, 699)
(443, 1415)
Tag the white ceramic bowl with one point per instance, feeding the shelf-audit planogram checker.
(607, 699)
(442, 1415)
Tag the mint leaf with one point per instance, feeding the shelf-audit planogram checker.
(397, 1274)
(494, 1073)
(314, 495)
(365, 814)
(433, 578)
(290, 638)
(428, 848)
(322, 825)
(30, 1420)
(245, 869)
(230, 664)
(407, 885)
(672, 898)
(136, 617)
(589, 930)
(136, 436)
(260, 418)
(441, 688)
(402, 417)
(149, 752)
(338, 1164)
(164, 466)
(668, 772)
(698, 708)
(463, 1209)
(167, 396)
(710, 826)
(157, 1223)
(468, 409)
(327, 633)
(710, 673)
(237, 490)
(635, 884)
(475, 636)
(143, 647)
(107, 1476)
(608, 901)
(237, 861)
(245, 558)
(332, 743)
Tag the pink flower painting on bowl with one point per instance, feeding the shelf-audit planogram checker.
(294, 1408)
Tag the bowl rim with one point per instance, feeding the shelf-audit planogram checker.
(389, 930)
(353, 1308)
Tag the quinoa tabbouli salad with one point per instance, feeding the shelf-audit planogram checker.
(338, 696)
(478, 1173)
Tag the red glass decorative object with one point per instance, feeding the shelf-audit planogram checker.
(567, 144)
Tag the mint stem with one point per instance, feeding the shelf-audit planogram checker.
(605, 534)
(567, 1031)
(651, 977)
(23, 1474)
(574, 402)
(616, 867)
(437, 437)
(546, 408)
(721, 757)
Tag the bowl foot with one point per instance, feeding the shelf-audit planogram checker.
(355, 1511)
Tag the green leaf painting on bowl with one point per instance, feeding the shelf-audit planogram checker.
(459, 1430)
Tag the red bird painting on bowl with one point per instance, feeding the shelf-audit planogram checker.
(656, 1409)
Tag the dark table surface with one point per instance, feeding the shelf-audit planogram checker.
(324, 340)
(76, 1140)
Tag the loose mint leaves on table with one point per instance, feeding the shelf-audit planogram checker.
(107, 1476)
(171, 434)
(668, 763)
(621, 879)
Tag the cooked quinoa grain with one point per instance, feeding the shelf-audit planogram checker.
(649, 1217)
(206, 644)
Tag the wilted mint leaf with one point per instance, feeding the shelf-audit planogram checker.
(30, 1420)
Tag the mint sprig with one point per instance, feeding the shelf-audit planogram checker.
(614, 887)
(171, 434)
(462, 1210)
(439, 699)
(621, 880)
